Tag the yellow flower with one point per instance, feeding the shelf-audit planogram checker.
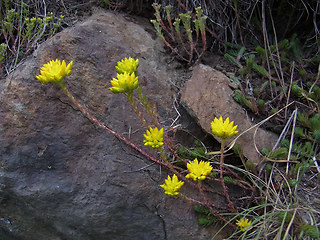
(198, 170)
(172, 186)
(124, 83)
(244, 224)
(54, 72)
(223, 129)
(154, 137)
(127, 66)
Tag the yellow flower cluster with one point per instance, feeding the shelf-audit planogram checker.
(223, 129)
(244, 224)
(127, 65)
(198, 170)
(153, 137)
(124, 83)
(126, 80)
(172, 186)
(54, 72)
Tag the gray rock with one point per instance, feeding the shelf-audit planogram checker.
(61, 177)
(207, 95)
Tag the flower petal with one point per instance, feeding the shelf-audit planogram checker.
(54, 72)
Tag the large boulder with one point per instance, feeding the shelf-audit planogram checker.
(62, 177)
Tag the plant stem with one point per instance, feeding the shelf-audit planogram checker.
(225, 189)
(96, 121)
(202, 193)
(213, 211)
(136, 109)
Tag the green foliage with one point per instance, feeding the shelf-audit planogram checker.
(41, 27)
(237, 53)
(3, 49)
(229, 180)
(191, 153)
(316, 135)
(206, 218)
(186, 153)
(252, 65)
(303, 120)
(274, 63)
(273, 111)
(247, 101)
(315, 122)
(188, 41)
(261, 105)
(295, 47)
(292, 182)
(286, 216)
(232, 60)
(299, 132)
(260, 69)
(310, 231)
(279, 153)
(297, 91)
(250, 166)
(265, 151)
(262, 52)
(310, 127)
(186, 18)
(237, 149)
(206, 221)
(315, 60)
(107, 2)
(302, 72)
(268, 169)
(213, 174)
(201, 209)
(312, 96)
(299, 151)
(300, 168)
(21, 31)
(234, 53)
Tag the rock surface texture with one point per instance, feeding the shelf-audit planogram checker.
(61, 177)
(207, 95)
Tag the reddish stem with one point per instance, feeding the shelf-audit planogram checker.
(96, 121)
(173, 49)
(225, 189)
(137, 110)
(213, 211)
